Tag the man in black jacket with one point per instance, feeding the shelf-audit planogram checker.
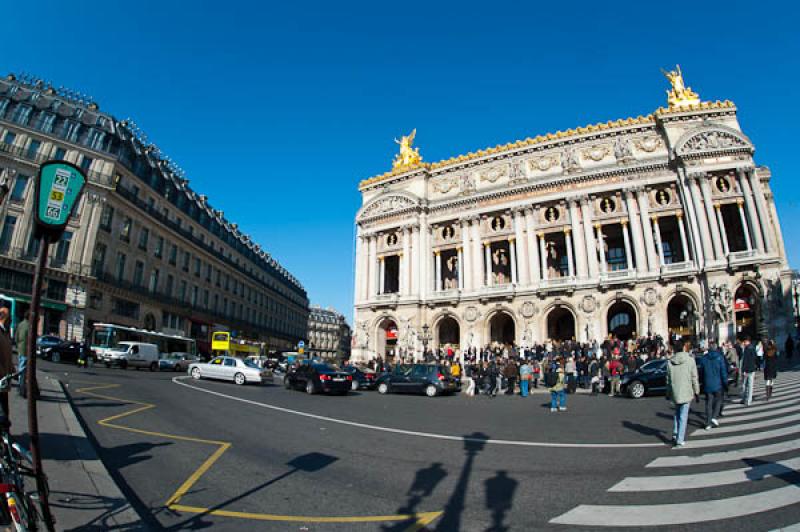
(748, 366)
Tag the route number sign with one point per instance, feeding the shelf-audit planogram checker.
(57, 191)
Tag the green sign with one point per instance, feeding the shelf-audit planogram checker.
(57, 191)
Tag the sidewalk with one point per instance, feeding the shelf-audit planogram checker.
(83, 496)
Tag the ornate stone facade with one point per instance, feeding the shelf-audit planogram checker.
(662, 224)
(329, 334)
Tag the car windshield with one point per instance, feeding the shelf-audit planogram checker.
(251, 364)
(653, 365)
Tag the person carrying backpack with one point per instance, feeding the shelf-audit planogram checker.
(554, 380)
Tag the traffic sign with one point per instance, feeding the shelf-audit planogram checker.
(57, 191)
(301, 344)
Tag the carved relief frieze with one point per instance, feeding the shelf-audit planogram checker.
(444, 184)
(597, 152)
(542, 164)
(387, 205)
(493, 174)
(648, 144)
(712, 140)
(570, 160)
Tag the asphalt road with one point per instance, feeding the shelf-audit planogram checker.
(265, 457)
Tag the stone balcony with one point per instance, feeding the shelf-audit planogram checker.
(677, 269)
(617, 277)
(740, 258)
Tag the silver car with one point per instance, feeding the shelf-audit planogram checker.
(229, 369)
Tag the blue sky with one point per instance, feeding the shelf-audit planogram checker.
(277, 110)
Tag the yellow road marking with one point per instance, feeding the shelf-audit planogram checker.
(420, 519)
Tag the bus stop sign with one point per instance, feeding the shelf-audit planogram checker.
(57, 191)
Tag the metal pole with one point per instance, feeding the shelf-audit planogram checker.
(30, 374)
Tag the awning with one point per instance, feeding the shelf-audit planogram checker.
(62, 307)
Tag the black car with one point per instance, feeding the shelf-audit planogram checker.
(314, 378)
(43, 342)
(67, 352)
(362, 380)
(430, 379)
(651, 378)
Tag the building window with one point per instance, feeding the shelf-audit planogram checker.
(46, 122)
(159, 249)
(106, 217)
(7, 233)
(33, 149)
(21, 115)
(10, 137)
(208, 272)
(168, 286)
(95, 139)
(197, 266)
(62, 249)
(86, 162)
(173, 254)
(205, 299)
(59, 154)
(125, 232)
(71, 130)
(3, 107)
(195, 291)
(120, 267)
(153, 280)
(182, 292)
(122, 307)
(186, 259)
(144, 235)
(138, 273)
(20, 184)
(33, 246)
(99, 259)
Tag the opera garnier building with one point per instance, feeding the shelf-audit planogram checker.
(656, 225)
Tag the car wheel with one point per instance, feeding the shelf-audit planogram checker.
(354, 386)
(383, 388)
(430, 390)
(636, 390)
(153, 366)
(239, 379)
(196, 374)
(310, 388)
(55, 357)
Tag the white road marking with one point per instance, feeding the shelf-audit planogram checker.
(178, 380)
(757, 411)
(707, 480)
(727, 429)
(761, 404)
(725, 456)
(673, 514)
(742, 438)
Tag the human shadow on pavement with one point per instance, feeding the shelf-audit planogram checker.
(425, 482)
(499, 499)
(646, 431)
(309, 463)
(451, 519)
(109, 507)
(764, 469)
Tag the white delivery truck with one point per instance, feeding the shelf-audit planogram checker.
(133, 354)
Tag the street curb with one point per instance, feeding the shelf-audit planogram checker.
(94, 468)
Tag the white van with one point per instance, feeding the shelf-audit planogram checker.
(133, 354)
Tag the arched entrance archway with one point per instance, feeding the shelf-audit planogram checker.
(622, 320)
(386, 341)
(746, 311)
(681, 319)
(448, 332)
(502, 329)
(560, 324)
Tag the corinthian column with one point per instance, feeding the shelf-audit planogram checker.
(521, 259)
(533, 246)
(415, 260)
(487, 254)
(753, 222)
(747, 239)
(659, 244)
(543, 254)
(601, 248)
(423, 254)
(580, 245)
(478, 276)
(722, 230)
(684, 243)
(405, 257)
(627, 240)
(702, 219)
(588, 236)
(438, 280)
(705, 188)
(464, 259)
(460, 270)
(372, 273)
(512, 248)
(761, 208)
(636, 232)
(644, 216)
(568, 240)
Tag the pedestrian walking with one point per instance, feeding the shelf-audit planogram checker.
(470, 371)
(748, 361)
(682, 387)
(537, 372)
(21, 334)
(524, 378)
(715, 379)
(556, 385)
(770, 367)
(615, 370)
(6, 364)
(571, 372)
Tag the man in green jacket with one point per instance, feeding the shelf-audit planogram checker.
(21, 339)
(682, 386)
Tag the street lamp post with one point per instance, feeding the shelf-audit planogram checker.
(426, 336)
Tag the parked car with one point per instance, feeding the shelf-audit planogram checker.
(651, 378)
(134, 354)
(67, 352)
(363, 379)
(44, 342)
(430, 379)
(177, 361)
(317, 377)
(229, 369)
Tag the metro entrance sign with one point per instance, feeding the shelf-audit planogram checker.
(57, 191)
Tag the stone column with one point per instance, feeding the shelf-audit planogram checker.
(372, 272)
(543, 255)
(512, 247)
(424, 253)
(478, 276)
(487, 254)
(700, 216)
(401, 273)
(381, 275)
(588, 236)
(438, 280)
(659, 245)
(460, 271)
(522, 248)
(644, 216)
(626, 238)
(763, 211)
(580, 246)
(684, 243)
(415, 260)
(533, 247)
(754, 223)
(691, 218)
(636, 232)
(465, 258)
(568, 240)
(705, 188)
(747, 239)
(722, 230)
(405, 262)
(601, 246)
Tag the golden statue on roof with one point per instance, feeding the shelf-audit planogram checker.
(680, 95)
(408, 156)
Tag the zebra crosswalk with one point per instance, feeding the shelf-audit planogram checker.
(723, 473)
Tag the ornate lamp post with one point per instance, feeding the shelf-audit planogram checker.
(425, 337)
